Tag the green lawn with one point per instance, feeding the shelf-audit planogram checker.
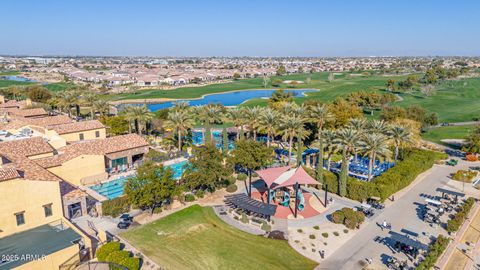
(455, 101)
(9, 73)
(450, 132)
(195, 238)
(342, 85)
(7, 83)
(58, 87)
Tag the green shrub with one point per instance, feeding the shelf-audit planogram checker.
(316, 227)
(244, 218)
(200, 193)
(325, 235)
(231, 180)
(118, 256)
(103, 251)
(189, 198)
(435, 250)
(336, 233)
(157, 210)
(300, 231)
(311, 236)
(345, 231)
(456, 222)
(266, 227)
(338, 217)
(254, 174)
(464, 176)
(241, 177)
(116, 207)
(131, 263)
(231, 188)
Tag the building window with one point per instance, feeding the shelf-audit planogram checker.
(48, 210)
(20, 217)
(97, 133)
(81, 137)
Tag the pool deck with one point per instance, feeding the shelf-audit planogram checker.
(173, 161)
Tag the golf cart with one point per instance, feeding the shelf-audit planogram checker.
(452, 162)
(375, 202)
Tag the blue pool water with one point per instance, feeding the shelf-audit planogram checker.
(113, 189)
(15, 78)
(226, 99)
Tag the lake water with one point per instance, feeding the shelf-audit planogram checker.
(226, 99)
(16, 78)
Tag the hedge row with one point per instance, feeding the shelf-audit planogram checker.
(348, 217)
(400, 176)
(435, 250)
(111, 252)
(115, 207)
(454, 224)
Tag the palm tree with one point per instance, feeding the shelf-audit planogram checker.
(128, 113)
(374, 144)
(347, 139)
(319, 115)
(139, 115)
(208, 115)
(329, 140)
(269, 123)
(290, 126)
(252, 115)
(66, 100)
(180, 106)
(399, 136)
(236, 115)
(101, 106)
(145, 118)
(90, 98)
(377, 126)
(359, 125)
(180, 121)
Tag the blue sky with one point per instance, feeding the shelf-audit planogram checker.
(241, 28)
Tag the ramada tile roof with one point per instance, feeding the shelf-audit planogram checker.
(76, 126)
(18, 122)
(94, 147)
(8, 173)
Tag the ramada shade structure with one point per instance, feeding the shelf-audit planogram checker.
(285, 176)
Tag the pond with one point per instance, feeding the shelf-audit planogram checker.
(16, 78)
(226, 99)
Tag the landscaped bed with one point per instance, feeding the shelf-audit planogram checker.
(195, 238)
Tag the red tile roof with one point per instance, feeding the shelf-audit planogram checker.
(76, 126)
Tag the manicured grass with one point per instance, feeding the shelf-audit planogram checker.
(436, 135)
(9, 73)
(455, 101)
(58, 87)
(195, 238)
(7, 83)
(342, 85)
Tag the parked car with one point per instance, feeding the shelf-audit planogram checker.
(125, 221)
(123, 225)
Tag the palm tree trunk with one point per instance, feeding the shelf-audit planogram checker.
(254, 135)
(242, 133)
(179, 140)
(137, 126)
(129, 126)
(342, 185)
(396, 153)
(268, 139)
(238, 133)
(299, 151)
(290, 150)
(320, 157)
(328, 162)
(370, 167)
(91, 112)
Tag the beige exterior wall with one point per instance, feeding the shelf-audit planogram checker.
(28, 196)
(52, 261)
(87, 135)
(81, 167)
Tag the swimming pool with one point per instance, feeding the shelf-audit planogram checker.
(115, 188)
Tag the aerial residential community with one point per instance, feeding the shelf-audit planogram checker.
(183, 148)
